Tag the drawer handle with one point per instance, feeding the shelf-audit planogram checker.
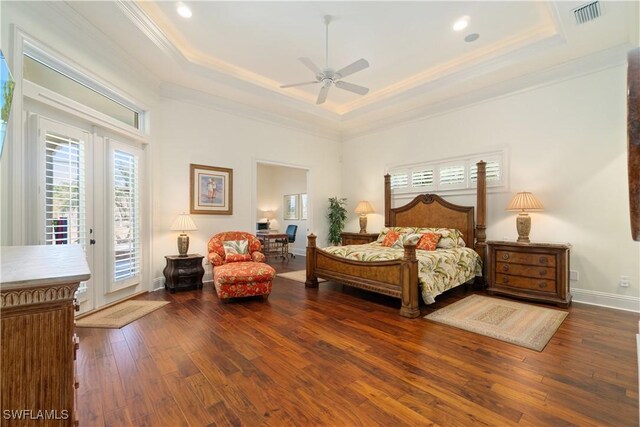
(543, 260)
(505, 280)
(542, 285)
(505, 268)
(505, 256)
(543, 272)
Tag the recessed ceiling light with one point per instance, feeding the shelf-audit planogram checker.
(183, 10)
(472, 37)
(461, 23)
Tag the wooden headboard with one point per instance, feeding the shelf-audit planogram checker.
(431, 210)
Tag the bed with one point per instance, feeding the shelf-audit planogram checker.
(400, 278)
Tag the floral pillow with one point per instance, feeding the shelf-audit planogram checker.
(391, 238)
(451, 238)
(236, 250)
(428, 241)
(410, 238)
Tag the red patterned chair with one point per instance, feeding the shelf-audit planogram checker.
(239, 269)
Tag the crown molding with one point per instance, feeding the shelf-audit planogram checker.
(312, 125)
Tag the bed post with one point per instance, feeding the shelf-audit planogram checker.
(387, 200)
(409, 283)
(312, 280)
(481, 221)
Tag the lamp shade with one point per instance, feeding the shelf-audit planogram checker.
(364, 208)
(269, 214)
(525, 201)
(183, 222)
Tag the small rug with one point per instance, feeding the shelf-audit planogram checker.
(119, 315)
(525, 325)
(298, 276)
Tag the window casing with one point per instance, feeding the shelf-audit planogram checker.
(455, 175)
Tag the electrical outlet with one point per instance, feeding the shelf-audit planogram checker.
(573, 275)
(624, 281)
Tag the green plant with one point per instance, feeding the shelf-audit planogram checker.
(337, 215)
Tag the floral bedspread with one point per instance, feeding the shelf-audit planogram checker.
(438, 270)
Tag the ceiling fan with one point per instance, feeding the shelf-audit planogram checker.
(327, 76)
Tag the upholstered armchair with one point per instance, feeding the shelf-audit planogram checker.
(235, 250)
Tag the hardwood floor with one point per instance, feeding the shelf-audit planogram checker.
(340, 356)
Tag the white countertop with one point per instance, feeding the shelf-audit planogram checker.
(30, 266)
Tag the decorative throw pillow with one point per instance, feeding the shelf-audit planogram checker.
(428, 241)
(236, 251)
(390, 238)
(406, 238)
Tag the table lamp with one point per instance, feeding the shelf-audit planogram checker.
(363, 209)
(269, 215)
(183, 223)
(523, 202)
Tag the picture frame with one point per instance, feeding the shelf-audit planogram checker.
(211, 190)
(303, 206)
(290, 210)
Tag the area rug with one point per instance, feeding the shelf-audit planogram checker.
(525, 325)
(119, 315)
(298, 276)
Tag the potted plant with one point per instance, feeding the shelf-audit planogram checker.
(337, 215)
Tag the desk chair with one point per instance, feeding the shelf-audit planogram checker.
(291, 237)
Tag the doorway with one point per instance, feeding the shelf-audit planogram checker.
(283, 200)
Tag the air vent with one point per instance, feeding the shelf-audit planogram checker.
(587, 12)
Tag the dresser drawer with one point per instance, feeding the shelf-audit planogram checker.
(528, 258)
(531, 271)
(189, 263)
(540, 285)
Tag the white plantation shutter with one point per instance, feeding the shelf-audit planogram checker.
(452, 176)
(64, 191)
(422, 178)
(494, 171)
(126, 216)
(399, 180)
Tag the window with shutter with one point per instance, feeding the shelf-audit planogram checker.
(126, 209)
(422, 178)
(494, 170)
(452, 176)
(399, 180)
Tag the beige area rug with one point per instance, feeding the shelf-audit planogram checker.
(298, 276)
(525, 325)
(119, 315)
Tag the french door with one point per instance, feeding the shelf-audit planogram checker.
(65, 202)
(89, 195)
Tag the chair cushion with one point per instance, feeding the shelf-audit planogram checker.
(243, 272)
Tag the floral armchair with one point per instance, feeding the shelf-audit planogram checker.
(230, 247)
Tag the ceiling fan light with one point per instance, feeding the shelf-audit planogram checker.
(461, 23)
(183, 10)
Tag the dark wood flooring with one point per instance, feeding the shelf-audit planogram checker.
(339, 356)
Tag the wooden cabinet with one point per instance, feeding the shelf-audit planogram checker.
(183, 272)
(38, 344)
(533, 271)
(357, 238)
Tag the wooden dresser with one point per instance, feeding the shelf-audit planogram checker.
(357, 238)
(532, 271)
(37, 290)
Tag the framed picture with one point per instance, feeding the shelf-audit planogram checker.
(303, 206)
(6, 95)
(211, 190)
(290, 206)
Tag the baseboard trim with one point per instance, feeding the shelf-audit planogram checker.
(158, 282)
(95, 310)
(603, 299)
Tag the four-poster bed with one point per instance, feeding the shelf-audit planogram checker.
(399, 277)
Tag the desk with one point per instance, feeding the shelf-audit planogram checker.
(271, 246)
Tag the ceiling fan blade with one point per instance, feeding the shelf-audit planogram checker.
(299, 84)
(360, 64)
(310, 65)
(322, 96)
(360, 90)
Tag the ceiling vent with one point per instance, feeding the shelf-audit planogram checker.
(587, 12)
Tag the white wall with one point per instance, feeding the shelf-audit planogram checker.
(273, 183)
(193, 133)
(567, 144)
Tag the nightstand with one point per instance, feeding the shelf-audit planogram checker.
(533, 271)
(183, 272)
(357, 238)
